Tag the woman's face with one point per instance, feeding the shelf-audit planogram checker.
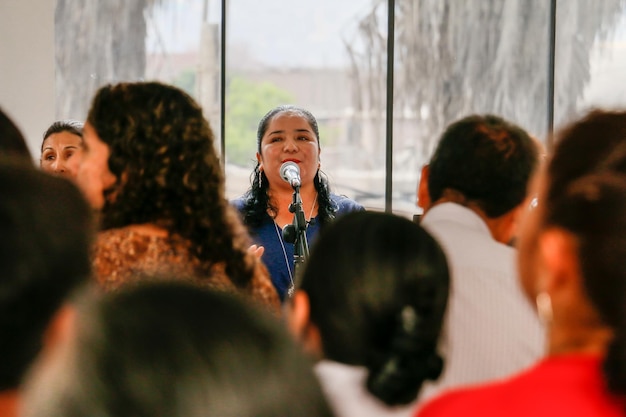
(93, 173)
(289, 137)
(61, 154)
(529, 261)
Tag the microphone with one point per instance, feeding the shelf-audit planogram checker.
(290, 172)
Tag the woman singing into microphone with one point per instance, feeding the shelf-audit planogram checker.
(287, 133)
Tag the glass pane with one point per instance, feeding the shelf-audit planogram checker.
(590, 57)
(310, 54)
(106, 41)
(455, 58)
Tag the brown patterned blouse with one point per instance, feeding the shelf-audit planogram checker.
(125, 255)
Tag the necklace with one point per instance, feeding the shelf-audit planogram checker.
(292, 285)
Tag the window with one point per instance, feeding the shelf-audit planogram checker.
(304, 53)
(452, 58)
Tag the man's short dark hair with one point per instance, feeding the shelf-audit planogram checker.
(45, 238)
(487, 159)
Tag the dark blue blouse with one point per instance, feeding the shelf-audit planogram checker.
(267, 235)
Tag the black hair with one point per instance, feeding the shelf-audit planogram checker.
(168, 349)
(486, 159)
(46, 232)
(12, 141)
(74, 127)
(257, 201)
(586, 195)
(378, 288)
(584, 146)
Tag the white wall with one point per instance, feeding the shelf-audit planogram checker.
(27, 66)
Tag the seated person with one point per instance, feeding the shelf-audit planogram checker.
(46, 228)
(370, 307)
(172, 349)
(12, 142)
(473, 192)
(151, 170)
(571, 252)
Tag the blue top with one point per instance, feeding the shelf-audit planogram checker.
(267, 234)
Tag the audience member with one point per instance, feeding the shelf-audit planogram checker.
(62, 147)
(571, 250)
(12, 142)
(473, 192)
(45, 227)
(287, 133)
(150, 167)
(370, 306)
(171, 349)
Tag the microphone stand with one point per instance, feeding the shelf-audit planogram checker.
(296, 233)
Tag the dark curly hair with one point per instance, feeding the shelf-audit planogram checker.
(168, 173)
(257, 198)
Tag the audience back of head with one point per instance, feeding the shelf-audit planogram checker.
(12, 142)
(486, 159)
(45, 227)
(160, 147)
(168, 348)
(585, 193)
(376, 286)
(473, 193)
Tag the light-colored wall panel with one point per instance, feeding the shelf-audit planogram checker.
(27, 66)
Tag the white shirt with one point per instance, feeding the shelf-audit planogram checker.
(491, 329)
(345, 390)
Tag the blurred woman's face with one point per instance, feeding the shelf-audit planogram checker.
(93, 173)
(529, 261)
(61, 154)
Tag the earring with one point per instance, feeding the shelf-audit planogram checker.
(544, 307)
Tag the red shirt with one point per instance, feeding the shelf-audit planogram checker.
(570, 385)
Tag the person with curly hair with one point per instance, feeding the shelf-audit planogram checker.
(62, 147)
(150, 168)
(287, 133)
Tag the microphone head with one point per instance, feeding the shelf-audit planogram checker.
(288, 166)
(290, 172)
